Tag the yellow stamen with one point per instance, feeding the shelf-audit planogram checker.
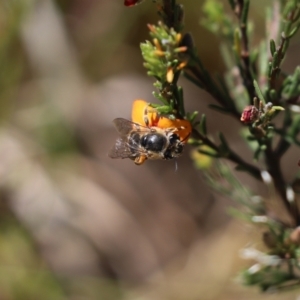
(182, 65)
(181, 49)
(151, 27)
(157, 44)
(159, 53)
(178, 38)
(170, 75)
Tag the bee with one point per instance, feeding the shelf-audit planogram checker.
(149, 136)
(132, 2)
(140, 143)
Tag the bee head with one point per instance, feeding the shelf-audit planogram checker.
(175, 147)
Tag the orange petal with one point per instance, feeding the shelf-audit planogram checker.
(141, 111)
(184, 127)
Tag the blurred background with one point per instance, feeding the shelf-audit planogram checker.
(76, 224)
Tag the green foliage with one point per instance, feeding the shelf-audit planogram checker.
(164, 59)
(254, 90)
(216, 21)
(266, 278)
(291, 85)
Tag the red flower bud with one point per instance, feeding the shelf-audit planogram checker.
(250, 114)
(131, 2)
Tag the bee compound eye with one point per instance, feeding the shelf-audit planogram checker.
(174, 151)
(179, 149)
(173, 138)
(168, 154)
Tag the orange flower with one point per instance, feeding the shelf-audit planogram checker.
(145, 115)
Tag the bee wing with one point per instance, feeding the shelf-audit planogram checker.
(124, 126)
(122, 149)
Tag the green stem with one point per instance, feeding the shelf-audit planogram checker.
(231, 155)
(283, 145)
(172, 14)
(273, 167)
(204, 81)
(241, 10)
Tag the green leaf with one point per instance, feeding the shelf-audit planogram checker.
(224, 145)
(293, 32)
(193, 80)
(273, 95)
(276, 60)
(245, 11)
(294, 129)
(263, 65)
(258, 92)
(270, 69)
(277, 108)
(272, 47)
(192, 116)
(257, 153)
(180, 100)
(202, 125)
(237, 43)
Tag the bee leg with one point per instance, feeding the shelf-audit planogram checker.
(140, 159)
(172, 129)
